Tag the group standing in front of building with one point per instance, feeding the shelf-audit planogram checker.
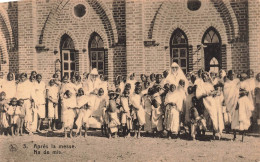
(171, 101)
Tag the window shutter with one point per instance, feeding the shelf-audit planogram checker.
(223, 57)
(190, 59)
(106, 63)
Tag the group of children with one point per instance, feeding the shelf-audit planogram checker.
(157, 103)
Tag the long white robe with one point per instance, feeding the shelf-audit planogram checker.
(172, 113)
(211, 105)
(40, 95)
(26, 90)
(137, 102)
(240, 118)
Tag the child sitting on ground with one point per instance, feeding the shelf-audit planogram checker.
(198, 123)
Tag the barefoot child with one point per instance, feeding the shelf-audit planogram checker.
(68, 112)
(172, 112)
(126, 119)
(136, 102)
(197, 123)
(112, 112)
(13, 117)
(52, 91)
(20, 123)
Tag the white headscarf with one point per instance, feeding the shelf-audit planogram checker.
(175, 77)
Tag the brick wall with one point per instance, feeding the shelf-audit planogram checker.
(254, 35)
(124, 25)
(240, 50)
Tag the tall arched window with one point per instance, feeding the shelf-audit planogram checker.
(97, 54)
(212, 51)
(179, 49)
(68, 56)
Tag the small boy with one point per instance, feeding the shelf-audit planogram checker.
(198, 123)
(112, 112)
(53, 97)
(138, 110)
(20, 123)
(13, 114)
(68, 113)
(126, 119)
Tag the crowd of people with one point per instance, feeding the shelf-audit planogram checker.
(155, 103)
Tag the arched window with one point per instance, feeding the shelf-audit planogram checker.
(97, 54)
(68, 56)
(179, 49)
(212, 51)
(214, 66)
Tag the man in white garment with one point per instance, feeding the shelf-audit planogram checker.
(40, 96)
(93, 82)
(26, 92)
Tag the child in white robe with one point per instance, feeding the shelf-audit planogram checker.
(52, 91)
(136, 101)
(172, 113)
(69, 113)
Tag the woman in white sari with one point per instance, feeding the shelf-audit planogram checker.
(238, 105)
(26, 91)
(207, 92)
(176, 74)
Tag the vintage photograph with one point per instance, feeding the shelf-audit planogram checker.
(130, 80)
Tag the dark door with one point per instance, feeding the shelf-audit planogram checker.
(210, 52)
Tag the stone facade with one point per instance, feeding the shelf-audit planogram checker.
(136, 34)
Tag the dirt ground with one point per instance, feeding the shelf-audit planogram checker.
(98, 148)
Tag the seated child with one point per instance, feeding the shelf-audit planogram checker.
(126, 119)
(112, 112)
(4, 124)
(136, 102)
(21, 109)
(52, 96)
(198, 123)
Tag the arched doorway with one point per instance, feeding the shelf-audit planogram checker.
(179, 49)
(97, 54)
(68, 56)
(212, 51)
